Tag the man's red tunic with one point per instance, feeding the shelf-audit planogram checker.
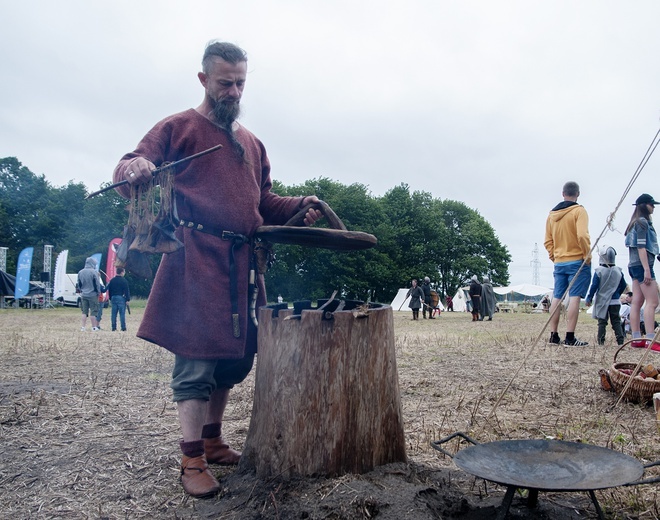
(189, 309)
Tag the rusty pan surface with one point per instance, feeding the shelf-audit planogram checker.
(549, 465)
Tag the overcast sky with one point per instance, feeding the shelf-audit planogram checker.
(495, 104)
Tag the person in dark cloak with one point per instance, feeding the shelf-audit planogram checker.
(488, 300)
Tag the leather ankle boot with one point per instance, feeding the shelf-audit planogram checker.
(219, 452)
(196, 478)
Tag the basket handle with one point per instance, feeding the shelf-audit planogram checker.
(622, 346)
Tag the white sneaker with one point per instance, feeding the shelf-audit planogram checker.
(82, 329)
(95, 329)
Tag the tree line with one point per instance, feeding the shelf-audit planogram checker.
(417, 234)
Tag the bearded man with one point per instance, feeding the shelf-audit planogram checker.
(198, 306)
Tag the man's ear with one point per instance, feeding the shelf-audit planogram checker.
(203, 78)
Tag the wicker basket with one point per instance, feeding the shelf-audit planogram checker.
(639, 390)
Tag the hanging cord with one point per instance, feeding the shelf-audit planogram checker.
(608, 225)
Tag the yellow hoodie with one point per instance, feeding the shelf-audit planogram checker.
(567, 233)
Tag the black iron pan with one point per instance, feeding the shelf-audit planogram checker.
(547, 465)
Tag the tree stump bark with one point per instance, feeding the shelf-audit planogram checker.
(327, 396)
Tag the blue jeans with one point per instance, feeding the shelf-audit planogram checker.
(118, 305)
(564, 274)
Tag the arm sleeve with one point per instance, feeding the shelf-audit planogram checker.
(582, 228)
(549, 242)
(595, 283)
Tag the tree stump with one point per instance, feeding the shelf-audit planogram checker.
(326, 394)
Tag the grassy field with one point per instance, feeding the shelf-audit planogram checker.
(88, 429)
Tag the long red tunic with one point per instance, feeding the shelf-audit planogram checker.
(189, 309)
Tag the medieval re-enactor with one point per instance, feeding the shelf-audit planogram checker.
(416, 295)
(488, 300)
(192, 303)
(475, 297)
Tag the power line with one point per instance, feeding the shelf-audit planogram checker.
(536, 264)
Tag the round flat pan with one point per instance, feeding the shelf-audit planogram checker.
(317, 237)
(549, 465)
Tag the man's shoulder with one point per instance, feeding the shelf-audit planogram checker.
(178, 118)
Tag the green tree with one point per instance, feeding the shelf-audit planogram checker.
(417, 236)
(32, 212)
(468, 246)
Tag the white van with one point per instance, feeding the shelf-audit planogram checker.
(68, 294)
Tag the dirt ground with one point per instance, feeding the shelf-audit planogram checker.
(88, 430)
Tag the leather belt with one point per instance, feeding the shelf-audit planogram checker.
(238, 240)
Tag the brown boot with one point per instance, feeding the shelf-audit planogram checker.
(197, 479)
(219, 452)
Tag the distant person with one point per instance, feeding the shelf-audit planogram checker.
(450, 303)
(475, 297)
(416, 295)
(89, 285)
(428, 303)
(642, 244)
(488, 300)
(99, 315)
(545, 303)
(569, 247)
(624, 312)
(606, 287)
(120, 295)
(280, 299)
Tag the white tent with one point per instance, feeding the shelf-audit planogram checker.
(460, 300)
(400, 302)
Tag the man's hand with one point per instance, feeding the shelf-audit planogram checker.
(139, 171)
(313, 214)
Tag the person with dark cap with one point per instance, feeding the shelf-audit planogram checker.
(642, 244)
(568, 245)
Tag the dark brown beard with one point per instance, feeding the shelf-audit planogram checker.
(224, 115)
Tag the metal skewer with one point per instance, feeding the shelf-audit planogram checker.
(157, 170)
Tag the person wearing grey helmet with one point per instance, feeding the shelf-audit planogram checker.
(428, 304)
(488, 300)
(607, 285)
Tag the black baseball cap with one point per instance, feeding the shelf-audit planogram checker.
(645, 198)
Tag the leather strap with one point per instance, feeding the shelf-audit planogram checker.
(238, 240)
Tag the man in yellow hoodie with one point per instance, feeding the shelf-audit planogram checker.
(569, 247)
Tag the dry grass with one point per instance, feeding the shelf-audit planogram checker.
(88, 429)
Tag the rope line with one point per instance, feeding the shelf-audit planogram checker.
(608, 225)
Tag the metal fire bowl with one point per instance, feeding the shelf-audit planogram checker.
(549, 465)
